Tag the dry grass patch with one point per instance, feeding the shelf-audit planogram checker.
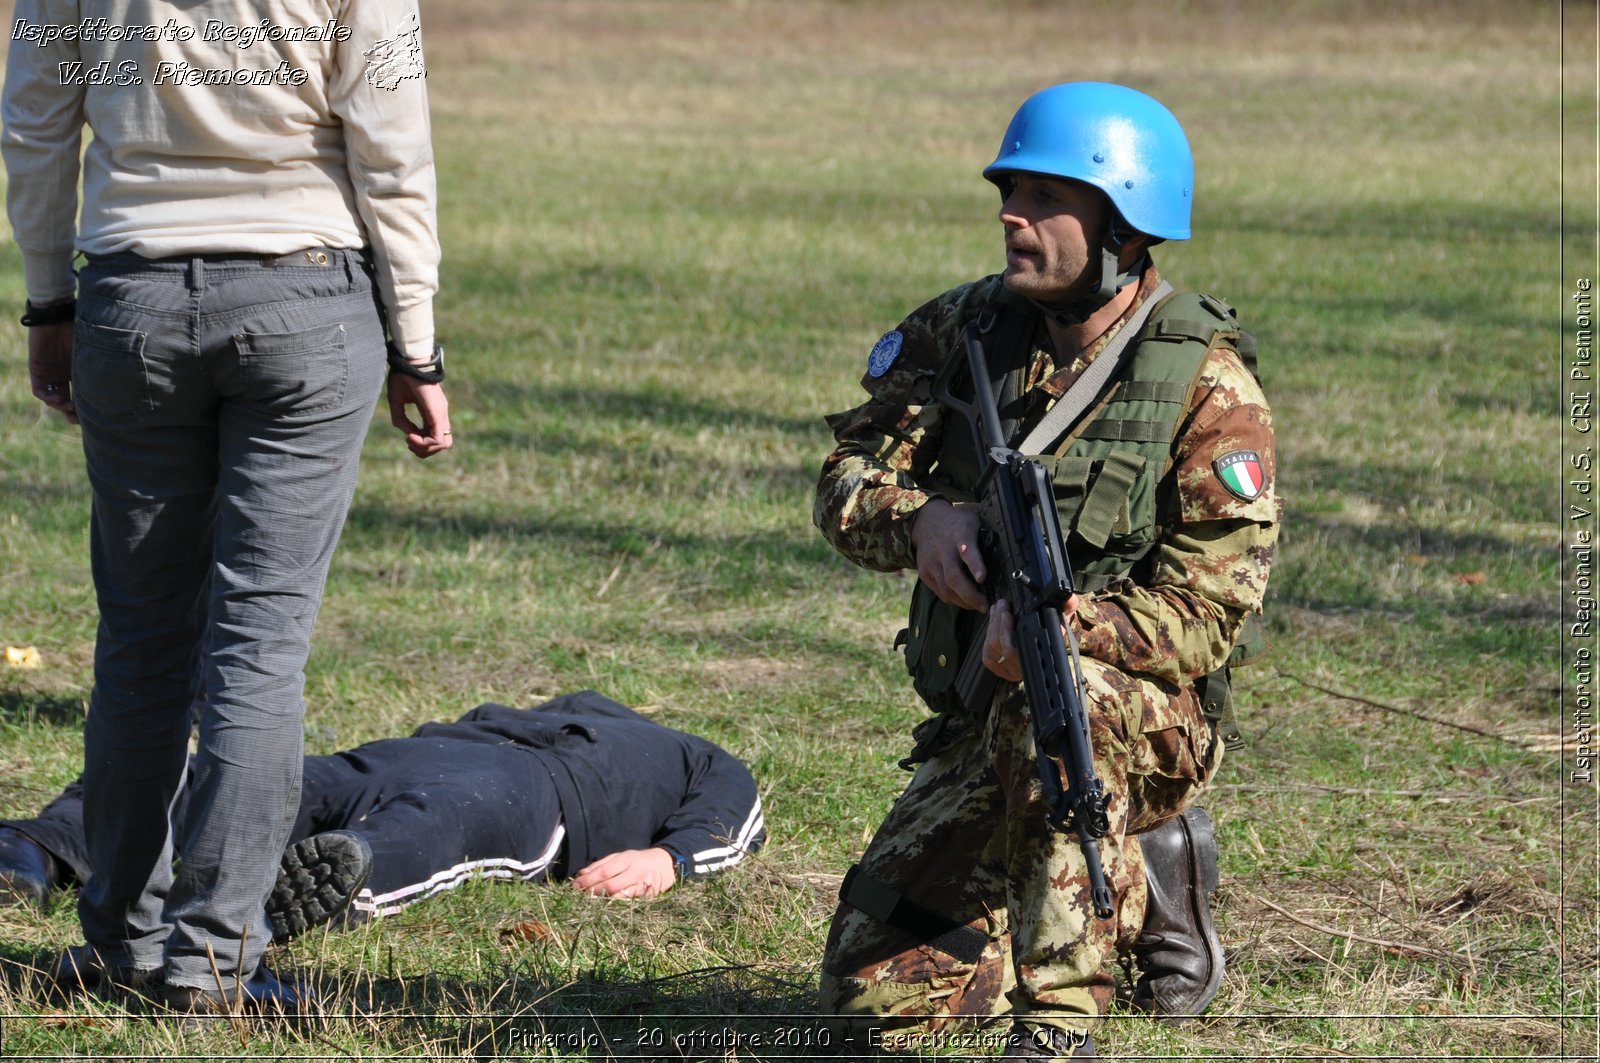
(737, 673)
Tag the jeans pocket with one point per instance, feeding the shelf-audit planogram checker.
(294, 372)
(109, 374)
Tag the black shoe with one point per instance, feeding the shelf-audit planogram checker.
(262, 994)
(1047, 1042)
(1178, 952)
(85, 969)
(27, 870)
(317, 879)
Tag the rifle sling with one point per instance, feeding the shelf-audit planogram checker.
(1088, 387)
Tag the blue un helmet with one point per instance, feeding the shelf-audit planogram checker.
(1115, 138)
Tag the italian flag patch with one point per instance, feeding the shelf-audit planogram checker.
(1241, 473)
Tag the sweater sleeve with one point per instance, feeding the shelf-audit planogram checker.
(379, 93)
(719, 821)
(44, 117)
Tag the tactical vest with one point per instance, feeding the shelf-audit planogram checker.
(1105, 472)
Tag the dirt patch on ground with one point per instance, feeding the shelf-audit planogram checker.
(736, 672)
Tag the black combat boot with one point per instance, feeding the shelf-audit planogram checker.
(27, 870)
(1047, 1043)
(1178, 953)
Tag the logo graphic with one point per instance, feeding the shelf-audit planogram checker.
(397, 59)
(884, 352)
(1241, 473)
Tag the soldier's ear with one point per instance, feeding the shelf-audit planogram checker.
(1134, 247)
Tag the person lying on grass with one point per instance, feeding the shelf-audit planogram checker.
(579, 788)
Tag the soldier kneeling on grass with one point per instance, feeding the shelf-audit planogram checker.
(968, 902)
(579, 788)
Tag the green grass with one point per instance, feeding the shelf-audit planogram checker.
(672, 230)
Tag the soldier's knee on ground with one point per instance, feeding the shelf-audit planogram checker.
(857, 1012)
(921, 988)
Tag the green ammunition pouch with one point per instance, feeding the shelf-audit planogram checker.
(1106, 473)
(1107, 470)
(937, 638)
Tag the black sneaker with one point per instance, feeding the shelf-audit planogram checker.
(85, 969)
(263, 994)
(317, 879)
(27, 870)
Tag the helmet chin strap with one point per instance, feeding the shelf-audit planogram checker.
(1111, 281)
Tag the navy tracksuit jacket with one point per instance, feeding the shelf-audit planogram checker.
(508, 793)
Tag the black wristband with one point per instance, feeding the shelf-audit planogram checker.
(428, 372)
(51, 314)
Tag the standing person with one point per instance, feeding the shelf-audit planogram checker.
(257, 208)
(967, 901)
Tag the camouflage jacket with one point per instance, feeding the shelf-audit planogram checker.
(1177, 618)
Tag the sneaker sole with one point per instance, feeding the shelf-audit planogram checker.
(318, 877)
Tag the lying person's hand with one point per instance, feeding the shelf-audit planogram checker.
(630, 873)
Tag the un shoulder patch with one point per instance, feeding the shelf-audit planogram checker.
(1242, 474)
(884, 353)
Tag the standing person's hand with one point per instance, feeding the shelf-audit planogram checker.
(433, 434)
(50, 367)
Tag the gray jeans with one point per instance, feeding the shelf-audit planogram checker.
(223, 403)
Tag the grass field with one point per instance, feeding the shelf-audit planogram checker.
(672, 230)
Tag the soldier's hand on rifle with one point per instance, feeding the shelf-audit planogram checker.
(999, 642)
(948, 560)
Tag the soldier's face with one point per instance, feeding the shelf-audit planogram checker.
(1053, 229)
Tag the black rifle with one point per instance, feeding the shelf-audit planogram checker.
(1022, 540)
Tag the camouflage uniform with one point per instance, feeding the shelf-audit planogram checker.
(969, 839)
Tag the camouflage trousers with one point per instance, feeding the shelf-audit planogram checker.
(969, 840)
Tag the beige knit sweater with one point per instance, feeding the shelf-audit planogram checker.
(259, 126)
